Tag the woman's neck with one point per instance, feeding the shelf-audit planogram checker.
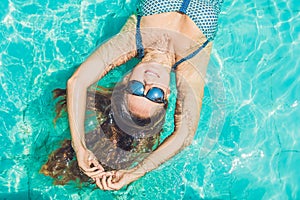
(161, 51)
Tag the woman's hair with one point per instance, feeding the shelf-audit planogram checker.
(119, 141)
(62, 165)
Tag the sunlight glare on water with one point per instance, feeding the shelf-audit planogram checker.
(256, 52)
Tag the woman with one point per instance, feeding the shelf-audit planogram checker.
(167, 35)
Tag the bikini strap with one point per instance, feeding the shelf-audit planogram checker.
(184, 6)
(138, 37)
(174, 67)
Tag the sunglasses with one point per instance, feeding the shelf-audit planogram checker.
(154, 94)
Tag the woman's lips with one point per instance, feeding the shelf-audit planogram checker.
(152, 73)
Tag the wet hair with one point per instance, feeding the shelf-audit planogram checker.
(63, 167)
(131, 138)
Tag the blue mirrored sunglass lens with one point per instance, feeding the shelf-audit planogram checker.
(156, 94)
(136, 88)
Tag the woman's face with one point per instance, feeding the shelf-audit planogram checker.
(150, 74)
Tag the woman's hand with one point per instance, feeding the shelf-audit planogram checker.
(115, 180)
(88, 163)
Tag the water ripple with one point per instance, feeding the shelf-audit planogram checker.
(256, 50)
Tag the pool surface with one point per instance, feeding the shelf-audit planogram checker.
(255, 154)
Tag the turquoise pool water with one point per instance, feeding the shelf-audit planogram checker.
(256, 155)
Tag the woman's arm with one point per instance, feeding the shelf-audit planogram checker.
(190, 84)
(114, 52)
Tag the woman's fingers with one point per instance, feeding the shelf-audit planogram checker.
(98, 183)
(93, 160)
(103, 182)
(95, 174)
(86, 169)
(109, 183)
(91, 172)
(100, 174)
(97, 164)
(113, 185)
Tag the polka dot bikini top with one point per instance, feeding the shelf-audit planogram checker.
(203, 12)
